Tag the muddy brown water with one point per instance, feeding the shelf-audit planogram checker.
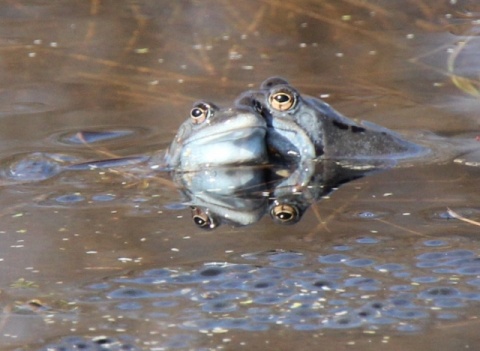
(110, 258)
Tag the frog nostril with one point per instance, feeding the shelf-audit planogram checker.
(257, 106)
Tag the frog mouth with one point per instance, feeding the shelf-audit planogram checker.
(244, 126)
(229, 136)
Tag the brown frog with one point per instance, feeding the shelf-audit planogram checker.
(305, 127)
(214, 136)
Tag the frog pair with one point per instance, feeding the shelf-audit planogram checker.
(276, 122)
(278, 126)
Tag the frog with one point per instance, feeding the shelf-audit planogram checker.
(214, 136)
(304, 127)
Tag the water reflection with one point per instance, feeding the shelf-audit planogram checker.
(224, 195)
(241, 196)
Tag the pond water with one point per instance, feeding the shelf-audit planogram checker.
(108, 257)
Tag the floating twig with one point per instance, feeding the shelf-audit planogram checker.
(461, 218)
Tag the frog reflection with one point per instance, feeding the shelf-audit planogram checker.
(218, 137)
(290, 199)
(224, 195)
(241, 196)
(305, 127)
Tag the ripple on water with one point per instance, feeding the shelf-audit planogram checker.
(70, 198)
(435, 243)
(39, 97)
(368, 240)
(34, 166)
(87, 198)
(366, 214)
(103, 197)
(441, 214)
(330, 290)
(98, 135)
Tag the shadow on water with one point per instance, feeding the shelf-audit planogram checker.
(99, 250)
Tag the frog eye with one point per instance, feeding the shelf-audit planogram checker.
(282, 100)
(202, 219)
(200, 112)
(284, 214)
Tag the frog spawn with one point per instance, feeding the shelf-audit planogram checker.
(99, 343)
(345, 286)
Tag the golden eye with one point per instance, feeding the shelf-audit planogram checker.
(200, 112)
(202, 219)
(284, 214)
(282, 100)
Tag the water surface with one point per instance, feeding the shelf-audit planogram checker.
(110, 257)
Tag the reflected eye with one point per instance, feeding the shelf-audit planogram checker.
(282, 100)
(202, 219)
(284, 214)
(200, 112)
